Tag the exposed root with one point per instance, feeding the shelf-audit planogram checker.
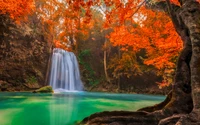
(158, 106)
(172, 120)
(125, 118)
(190, 119)
(162, 114)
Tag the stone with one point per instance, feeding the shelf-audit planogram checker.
(45, 89)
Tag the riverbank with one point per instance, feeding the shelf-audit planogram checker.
(17, 87)
(102, 87)
(113, 88)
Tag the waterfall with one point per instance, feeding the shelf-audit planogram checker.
(65, 75)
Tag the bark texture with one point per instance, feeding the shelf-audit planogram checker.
(182, 106)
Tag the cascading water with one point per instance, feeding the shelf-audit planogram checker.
(65, 75)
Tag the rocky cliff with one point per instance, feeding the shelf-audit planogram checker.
(24, 53)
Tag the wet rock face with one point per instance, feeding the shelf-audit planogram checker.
(24, 51)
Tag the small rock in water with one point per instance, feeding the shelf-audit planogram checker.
(45, 89)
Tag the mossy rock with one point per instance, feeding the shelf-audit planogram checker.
(45, 89)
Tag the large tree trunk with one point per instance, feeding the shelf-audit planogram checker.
(191, 18)
(182, 106)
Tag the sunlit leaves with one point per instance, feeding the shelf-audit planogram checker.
(134, 26)
(16, 8)
(67, 19)
(149, 30)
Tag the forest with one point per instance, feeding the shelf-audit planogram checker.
(125, 47)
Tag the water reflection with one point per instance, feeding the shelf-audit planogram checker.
(63, 110)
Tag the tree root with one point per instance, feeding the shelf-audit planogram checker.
(125, 118)
(172, 120)
(190, 119)
(168, 112)
(141, 118)
(158, 106)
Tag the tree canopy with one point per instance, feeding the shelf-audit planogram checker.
(16, 8)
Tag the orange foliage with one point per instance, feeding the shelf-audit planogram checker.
(141, 28)
(78, 18)
(175, 2)
(163, 84)
(133, 26)
(16, 8)
(155, 34)
(59, 44)
(67, 19)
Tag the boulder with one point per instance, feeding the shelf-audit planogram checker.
(45, 89)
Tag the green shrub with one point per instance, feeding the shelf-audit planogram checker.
(89, 73)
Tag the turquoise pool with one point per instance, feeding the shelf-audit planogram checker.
(65, 108)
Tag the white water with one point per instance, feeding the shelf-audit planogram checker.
(65, 75)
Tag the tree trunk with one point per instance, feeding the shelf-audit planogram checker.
(191, 18)
(105, 66)
(119, 76)
(192, 21)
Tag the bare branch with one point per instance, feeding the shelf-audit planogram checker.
(140, 5)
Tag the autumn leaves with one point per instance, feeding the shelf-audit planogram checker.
(16, 8)
(134, 27)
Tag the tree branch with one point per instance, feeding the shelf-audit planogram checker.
(162, 6)
(139, 6)
(172, 14)
(169, 8)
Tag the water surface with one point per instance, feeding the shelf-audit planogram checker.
(65, 108)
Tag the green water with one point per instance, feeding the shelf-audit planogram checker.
(65, 108)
